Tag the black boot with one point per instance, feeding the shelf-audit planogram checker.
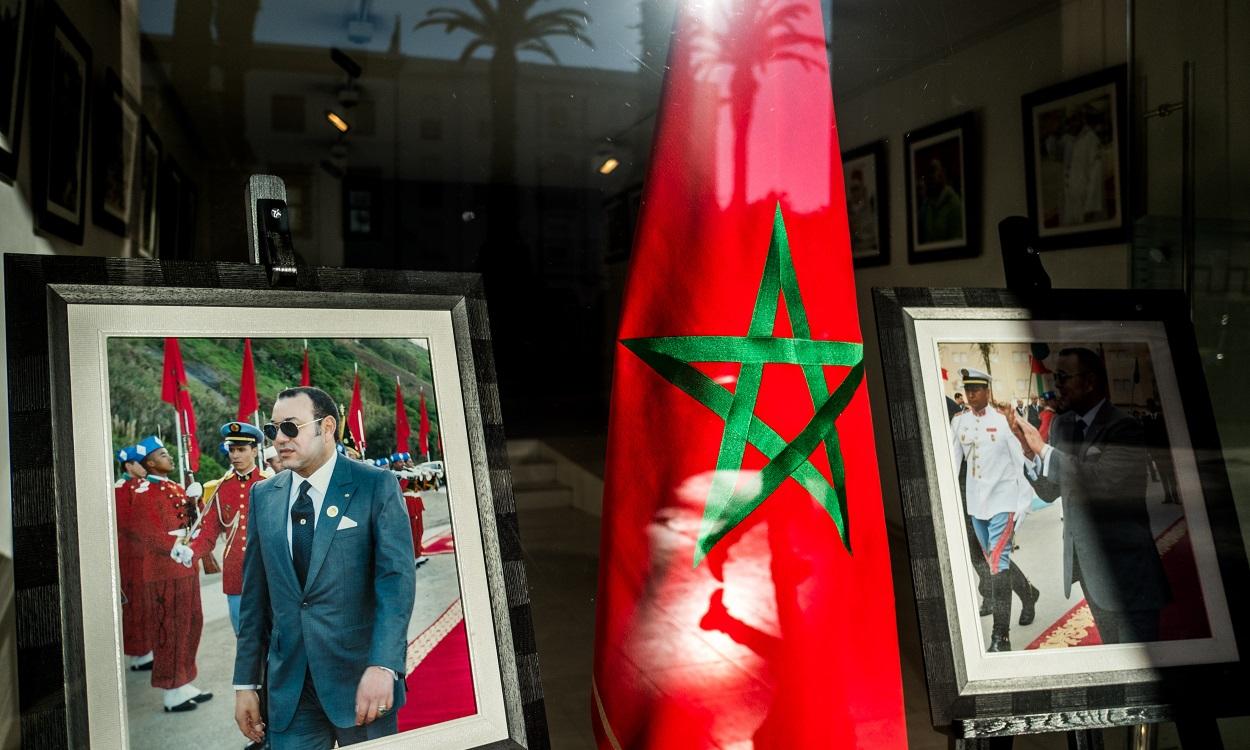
(1000, 593)
(1027, 592)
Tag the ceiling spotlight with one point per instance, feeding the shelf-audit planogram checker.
(338, 122)
(609, 165)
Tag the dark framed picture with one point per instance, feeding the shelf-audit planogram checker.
(15, 28)
(943, 173)
(149, 190)
(61, 86)
(414, 566)
(1071, 529)
(170, 205)
(1074, 152)
(361, 219)
(116, 135)
(864, 171)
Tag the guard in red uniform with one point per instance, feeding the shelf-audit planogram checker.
(225, 509)
(136, 638)
(173, 583)
(410, 487)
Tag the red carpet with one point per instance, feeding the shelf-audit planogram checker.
(440, 685)
(438, 541)
(1184, 617)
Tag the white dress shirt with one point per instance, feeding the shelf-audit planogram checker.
(320, 481)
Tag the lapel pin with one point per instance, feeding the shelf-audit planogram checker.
(332, 511)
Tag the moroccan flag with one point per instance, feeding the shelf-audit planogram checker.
(174, 392)
(744, 582)
(305, 378)
(356, 416)
(423, 430)
(249, 404)
(401, 420)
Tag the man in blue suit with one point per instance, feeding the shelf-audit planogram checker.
(328, 587)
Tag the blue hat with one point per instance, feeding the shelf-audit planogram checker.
(397, 457)
(241, 432)
(342, 451)
(406, 456)
(146, 447)
(127, 454)
(381, 462)
(225, 448)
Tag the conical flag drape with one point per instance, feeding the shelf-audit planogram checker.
(744, 582)
(249, 402)
(174, 392)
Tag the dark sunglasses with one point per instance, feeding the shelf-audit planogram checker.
(287, 427)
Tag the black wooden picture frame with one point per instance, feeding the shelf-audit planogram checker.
(42, 296)
(15, 46)
(114, 153)
(61, 115)
(868, 203)
(944, 161)
(1075, 152)
(1079, 698)
(148, 186)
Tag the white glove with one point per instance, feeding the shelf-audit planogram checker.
(181, 553)
(195, 489)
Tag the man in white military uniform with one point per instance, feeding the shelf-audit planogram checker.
(995, 490)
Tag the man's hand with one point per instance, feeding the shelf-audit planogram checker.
(247, 715)
(376, 689)
(182, 553)
(1030, 437)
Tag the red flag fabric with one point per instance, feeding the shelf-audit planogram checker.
(356, 416)
(1037, 366)
(423, 430)
(174, 391)
(744, 596)
(249, 402)
(305, 378)
(402, 431)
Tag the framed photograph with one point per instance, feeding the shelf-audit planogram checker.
(149, 189)
(943, 171)
(864, 171)
(170, 205)
(415, 566)
(61, 86)
(1070, 524)
(1074, 152)
(14, 51)
(116, 135)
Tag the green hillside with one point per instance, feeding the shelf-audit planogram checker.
(214, 367)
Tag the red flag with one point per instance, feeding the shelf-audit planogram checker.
(744, 591)
(1037, 366)
(401, 421)
(305, 378)
(174, 391)
(423, 431)
(356, 416)
(249, 403)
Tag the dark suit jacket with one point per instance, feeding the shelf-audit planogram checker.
(354, 609)
(1105, 522)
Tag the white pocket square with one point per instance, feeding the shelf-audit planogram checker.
(346, 523)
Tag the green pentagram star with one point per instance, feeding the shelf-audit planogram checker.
(728, 502)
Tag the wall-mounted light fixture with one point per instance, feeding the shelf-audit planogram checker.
(609, 165)
(338, 122)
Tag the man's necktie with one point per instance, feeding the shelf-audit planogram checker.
(302, 532)
(1078, 435)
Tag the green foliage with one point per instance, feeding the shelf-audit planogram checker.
(215, 366)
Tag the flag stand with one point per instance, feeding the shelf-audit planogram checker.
(1027, 279)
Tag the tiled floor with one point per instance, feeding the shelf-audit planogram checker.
(562, 551)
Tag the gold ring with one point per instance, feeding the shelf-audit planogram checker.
(382, 709)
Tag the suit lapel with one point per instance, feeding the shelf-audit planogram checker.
(339, 494)
(1101, 420)
(276, 501)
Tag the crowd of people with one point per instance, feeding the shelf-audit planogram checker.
(1071, 444)
(302, 537)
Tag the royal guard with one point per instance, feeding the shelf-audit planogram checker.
(163, 520)
(225, 509)
(136, 637)
(412, 498)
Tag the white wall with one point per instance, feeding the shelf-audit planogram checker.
(989, 76)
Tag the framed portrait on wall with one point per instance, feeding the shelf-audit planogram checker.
(943, 176)
(1074, 156)
(61, 107)
(170, 205)
(864, 172)
(116, 135)
(414, 567)
(15, 28)
(150, 179)
(1072, 532)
